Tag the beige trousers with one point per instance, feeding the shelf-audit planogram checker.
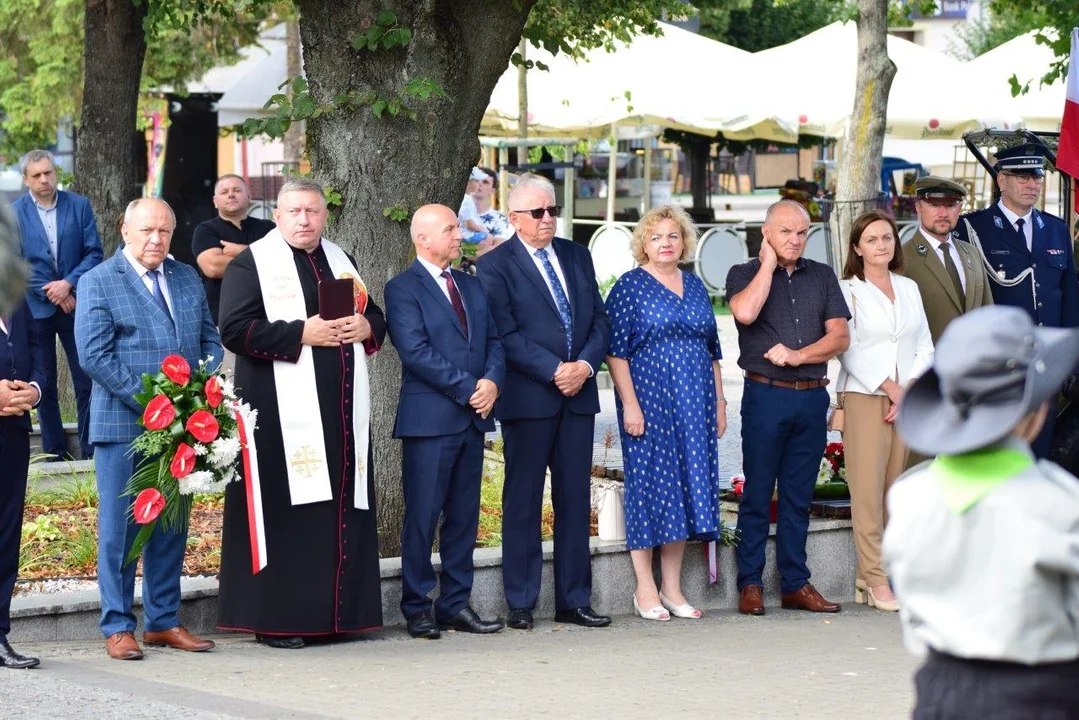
(875, 457)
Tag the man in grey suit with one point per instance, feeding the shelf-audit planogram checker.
(134, 309)
(949, 274)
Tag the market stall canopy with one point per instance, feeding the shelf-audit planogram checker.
(932, 96)
(246, 85)
(1042, 107)
(677, 80)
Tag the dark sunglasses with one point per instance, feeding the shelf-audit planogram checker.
(537, 213)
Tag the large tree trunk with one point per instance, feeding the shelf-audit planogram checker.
(294, 136)
(377, 163)
(859, 166)
(105, 153)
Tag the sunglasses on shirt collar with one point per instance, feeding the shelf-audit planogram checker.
(537, 213)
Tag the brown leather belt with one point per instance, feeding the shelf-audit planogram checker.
(792, 385)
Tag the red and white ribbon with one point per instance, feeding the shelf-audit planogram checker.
(256, 524)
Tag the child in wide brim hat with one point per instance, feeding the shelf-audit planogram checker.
(982, 543)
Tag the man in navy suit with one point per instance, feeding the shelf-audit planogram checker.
(452, 366)
(60, 243)
(21, 377)
(546, 305)
(1027, 253)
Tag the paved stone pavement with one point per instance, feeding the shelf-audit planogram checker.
(787, 664)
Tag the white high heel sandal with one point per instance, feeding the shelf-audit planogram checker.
(656, 613)
(684, 610)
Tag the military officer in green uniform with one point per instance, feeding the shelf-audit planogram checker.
(949, 274)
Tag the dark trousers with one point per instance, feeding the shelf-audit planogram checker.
(783, 436)
(14, 462)
(951, 688)
(441, 475)
(53, 442)
(564, 444)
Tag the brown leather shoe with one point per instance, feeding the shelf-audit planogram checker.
(751, 600)
(178, 638)
(807, 598)
(123, 646)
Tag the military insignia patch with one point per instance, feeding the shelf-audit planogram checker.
(921, 248)
(998, 222)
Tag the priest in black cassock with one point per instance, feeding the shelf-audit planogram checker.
(299, 554)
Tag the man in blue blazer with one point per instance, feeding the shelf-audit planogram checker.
(21, 377)
(60, 243)
(546, 305)
(1029, 253)
(452, 366)
(135, 309)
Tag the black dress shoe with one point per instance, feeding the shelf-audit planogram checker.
(422, 626)
(519, 619)
(468, 621)
(281, 643)
(584, 616)
(10, 658)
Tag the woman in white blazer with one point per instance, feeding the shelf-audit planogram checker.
(890, 345)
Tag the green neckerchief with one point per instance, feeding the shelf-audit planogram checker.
(965, 479)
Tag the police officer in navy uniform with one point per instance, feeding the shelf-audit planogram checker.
(1027, 253)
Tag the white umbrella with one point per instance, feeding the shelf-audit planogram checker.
(677, 80)
(931, 96)
(1041, 108)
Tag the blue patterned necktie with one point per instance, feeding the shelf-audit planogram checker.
(560, 298)
(159, 297)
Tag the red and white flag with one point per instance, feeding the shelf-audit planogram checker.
(1068, 152)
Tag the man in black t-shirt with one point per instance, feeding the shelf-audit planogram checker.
(215, 242)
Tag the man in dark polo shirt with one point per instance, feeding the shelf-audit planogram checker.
(792, 319)
(215, 242)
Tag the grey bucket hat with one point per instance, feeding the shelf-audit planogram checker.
(992, 366)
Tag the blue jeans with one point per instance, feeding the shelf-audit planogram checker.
(53, 440)
(162, 557)
(783, 436)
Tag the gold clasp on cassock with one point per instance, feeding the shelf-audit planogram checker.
(305, 461)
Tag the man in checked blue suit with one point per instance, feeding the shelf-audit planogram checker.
(135, 309)
(452, 366)
(543, 295)
(60, 243)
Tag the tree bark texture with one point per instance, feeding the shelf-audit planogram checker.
(105, 153)
(522, 103)
(377, 163)
(294, 137)
(858, 183)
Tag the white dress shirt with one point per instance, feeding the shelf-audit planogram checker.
(436, 273)
(553, 257)
(1028, 228)
(144, 275)
(939, 247)
(48, 220)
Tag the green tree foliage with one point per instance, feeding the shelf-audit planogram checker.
(761, 24)
(41, 58)
(576, 26)
(980, 35)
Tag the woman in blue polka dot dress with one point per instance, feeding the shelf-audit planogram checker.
(664, 360)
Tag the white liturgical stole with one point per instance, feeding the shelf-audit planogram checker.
(297, 397)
